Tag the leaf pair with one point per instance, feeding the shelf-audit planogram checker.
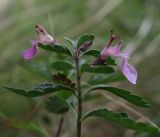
(66, 67)
(122, 119)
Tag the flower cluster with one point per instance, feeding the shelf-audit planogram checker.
(127, 69)
(43, 38)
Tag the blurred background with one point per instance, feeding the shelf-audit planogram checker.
(136, 21)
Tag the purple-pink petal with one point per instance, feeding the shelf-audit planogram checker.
(43, 36)
(129, 71)
(31, 52)
(113, 51)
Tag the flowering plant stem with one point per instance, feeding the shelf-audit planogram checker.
(103, 64)
(78, 80)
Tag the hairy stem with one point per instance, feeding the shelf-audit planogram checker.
(78, 78)
(59, 127)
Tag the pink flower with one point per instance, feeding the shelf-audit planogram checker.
(127, 69)
(113, 51)
(31, 52)
(43, 38)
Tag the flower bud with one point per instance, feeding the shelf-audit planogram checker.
(85, 46)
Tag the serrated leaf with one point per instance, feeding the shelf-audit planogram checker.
(61, 49)
(56, 105)
(122, 120)
(105, 80)
(97, 69)
(127, 95)
(62, 66)
(84, 38)
(39, 90)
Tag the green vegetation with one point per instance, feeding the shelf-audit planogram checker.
(136, 21)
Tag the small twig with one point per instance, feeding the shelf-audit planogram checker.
(60, 126)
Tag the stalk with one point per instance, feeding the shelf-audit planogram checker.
(78, 79)
(59, 127)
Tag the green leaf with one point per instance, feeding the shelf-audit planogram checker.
(97, 69)
(64, 95)
(84, 38)
(107, 79)
(39, 90)
(122, 120)
(92, 52)
(56, 105)
(62, 66)
(61, 49)
(110, 61)
(127, 95)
